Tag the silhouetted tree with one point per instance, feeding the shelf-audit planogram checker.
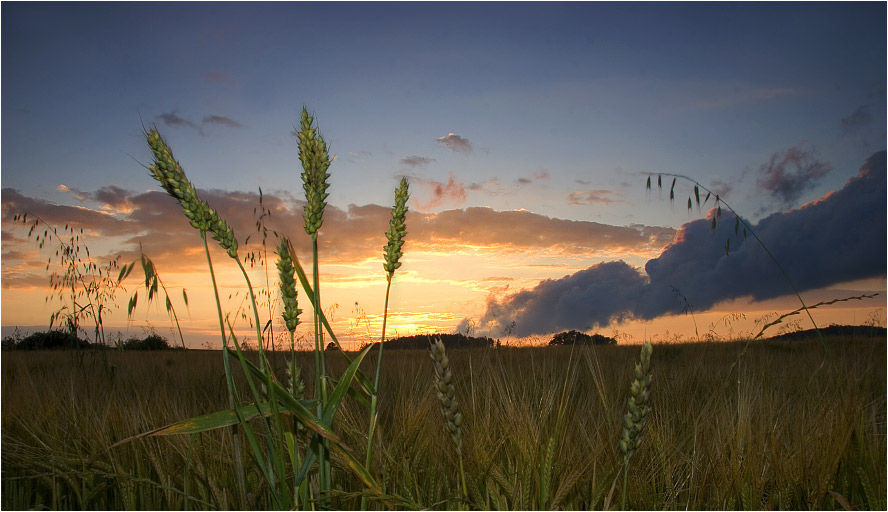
(580, 338)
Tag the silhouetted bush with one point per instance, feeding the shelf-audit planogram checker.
(421, 341)
(51, 340)
(580, 338)
(150, 342)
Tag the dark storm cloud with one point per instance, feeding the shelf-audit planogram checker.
(789, 174)
(456, 143)
(838, 238)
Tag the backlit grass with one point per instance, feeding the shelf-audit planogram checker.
(761, 435)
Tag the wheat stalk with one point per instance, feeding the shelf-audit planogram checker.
(637, 409)
(449, 405)
(167, 171)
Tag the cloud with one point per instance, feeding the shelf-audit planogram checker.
(533, 178)
(789, 174)
(720, 187)
(526, 231)
(491, 186)
(351, 235)
(838, 238)
(857, 120)
(456, 143)
(586, 197)
(173, 119)
(220, 120)
(450, 193)
(417, 161)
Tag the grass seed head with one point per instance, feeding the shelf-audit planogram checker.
(167, 171)
(315, 161)
(397, 229)
(446, 392)
(288, 287)
(637, 406)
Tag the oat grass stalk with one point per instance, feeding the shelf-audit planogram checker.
(637, 410)
(449, 405)
(740, 225)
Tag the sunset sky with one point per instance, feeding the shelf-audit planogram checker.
(526, 130)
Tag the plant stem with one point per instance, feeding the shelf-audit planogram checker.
(324, 470)
(768, 252)
(232, 392)
(625, 483)
(373, 399)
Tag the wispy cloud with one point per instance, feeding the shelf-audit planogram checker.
(174, 119)
(456, 143)
(417, 161)
(220, 120)
(856, 120)
(452, 193)
(541, 175)
(790, 173)
(696, 264)
(586, 197)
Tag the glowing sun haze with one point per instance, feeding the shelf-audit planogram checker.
(527, 132)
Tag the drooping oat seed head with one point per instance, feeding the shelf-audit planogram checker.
(288, 286)
(637, 405)
(397, 229)
(167, 171)
(315, 161)
(446, 392)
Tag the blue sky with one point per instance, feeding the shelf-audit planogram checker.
(559, 109)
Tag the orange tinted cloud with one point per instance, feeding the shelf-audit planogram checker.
(350, 236)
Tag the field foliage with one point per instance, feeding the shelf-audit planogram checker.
(540, 430)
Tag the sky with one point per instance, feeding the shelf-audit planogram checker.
(527, 132)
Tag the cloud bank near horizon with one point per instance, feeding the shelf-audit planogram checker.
(124, 220)
(837, 238)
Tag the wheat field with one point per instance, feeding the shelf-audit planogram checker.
(540, 429)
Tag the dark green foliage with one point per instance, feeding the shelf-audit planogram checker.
(51, 340)
(580, 338)
(836, 331)
(421, 341)
(150, 342)
(63, 340)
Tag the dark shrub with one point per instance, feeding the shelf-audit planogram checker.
(421, 341)
(51, 340)
(580, 338)
(150, 342)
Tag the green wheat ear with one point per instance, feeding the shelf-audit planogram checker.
(637, 406)
(446, 392)
(397, 230)
(167, 171)
(288, 287)
(315, 161)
